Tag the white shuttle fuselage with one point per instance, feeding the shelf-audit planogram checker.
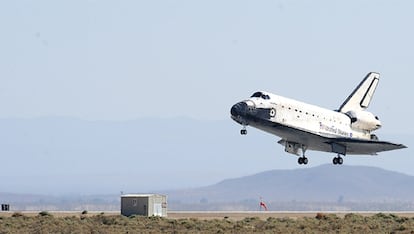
(304, 126)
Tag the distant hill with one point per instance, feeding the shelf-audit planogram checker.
(325, 187)
(326, 183)
(63, 156)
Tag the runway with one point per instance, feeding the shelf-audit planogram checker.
(231, 215)
(238, 215)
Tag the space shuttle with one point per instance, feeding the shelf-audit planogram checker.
(301, 126)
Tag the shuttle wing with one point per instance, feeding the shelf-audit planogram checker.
(372, 147)
(315, 141)
(319, 142)
(362, 95)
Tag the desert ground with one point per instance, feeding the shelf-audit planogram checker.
(207, 222)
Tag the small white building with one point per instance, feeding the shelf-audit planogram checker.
(144, 204)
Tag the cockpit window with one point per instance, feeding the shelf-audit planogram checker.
(261, 95)
(257, 94)
(265, 96)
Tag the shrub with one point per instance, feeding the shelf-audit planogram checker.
(44, 213)
(250, 219)
(320, 216)
(84, 212)
(17, 214)
(382, 216)
(354, 217)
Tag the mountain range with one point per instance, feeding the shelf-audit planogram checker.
(325, 187)
(325, 183)
(67, 156)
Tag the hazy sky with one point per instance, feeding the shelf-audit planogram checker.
(121, 60)
(117, 60)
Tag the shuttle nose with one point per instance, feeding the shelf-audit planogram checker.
(239, 109)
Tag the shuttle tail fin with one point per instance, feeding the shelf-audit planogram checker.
(362, 95)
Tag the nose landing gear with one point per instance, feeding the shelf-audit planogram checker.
(243, 131)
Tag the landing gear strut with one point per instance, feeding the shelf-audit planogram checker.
(338, 160)
(303, 159)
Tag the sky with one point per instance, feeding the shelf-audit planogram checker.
(125, 60)
(121, 60)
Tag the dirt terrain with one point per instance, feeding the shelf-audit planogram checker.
(206, 222)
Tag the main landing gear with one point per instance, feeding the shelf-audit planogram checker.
(338, 160)
(303, 159)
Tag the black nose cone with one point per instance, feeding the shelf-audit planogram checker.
(238, 109)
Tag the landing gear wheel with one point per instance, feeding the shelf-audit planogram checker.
(243, 131)
(338, 160)
(303, 160)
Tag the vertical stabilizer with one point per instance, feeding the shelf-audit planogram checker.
(362, 95)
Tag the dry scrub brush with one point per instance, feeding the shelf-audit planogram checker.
(321, 223)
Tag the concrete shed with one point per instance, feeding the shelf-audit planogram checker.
(144, 204)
